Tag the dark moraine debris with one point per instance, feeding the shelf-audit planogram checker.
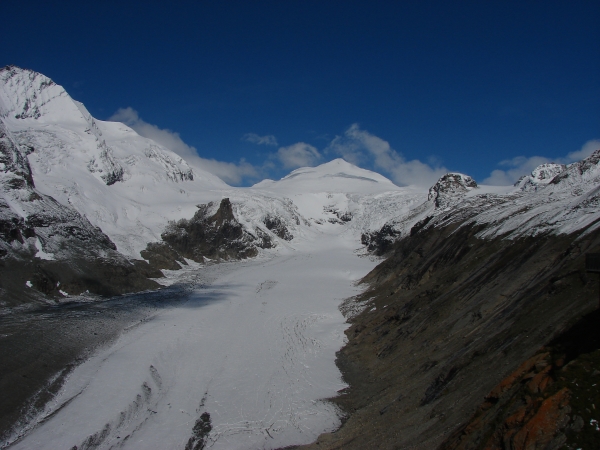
(200, 433)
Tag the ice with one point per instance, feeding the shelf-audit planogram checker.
(254, 348)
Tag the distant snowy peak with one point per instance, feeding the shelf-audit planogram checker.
(540, 176)
(334, 176)
(586, 171)
(450, 188)
(337, 168)
(559, 176)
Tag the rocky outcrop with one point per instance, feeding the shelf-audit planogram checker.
(214, 235)
(540, 176)
(277, 227)
(447, 192)
(161, 255)
(450, 188)
(381, 241)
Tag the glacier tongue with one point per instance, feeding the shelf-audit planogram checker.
(252, 350)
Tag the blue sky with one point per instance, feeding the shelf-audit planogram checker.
(257, 88)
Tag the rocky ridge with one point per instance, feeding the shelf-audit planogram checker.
(209, 235)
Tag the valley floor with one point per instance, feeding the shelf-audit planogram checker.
(244, 362)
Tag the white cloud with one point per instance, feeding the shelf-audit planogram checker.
(586, 150)
(359, 146)
(521, 165)
(260, 140)
(297, 155)
(232, 173)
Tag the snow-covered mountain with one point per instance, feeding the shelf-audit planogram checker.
(151, 204)
(87, 205)
(127, 185)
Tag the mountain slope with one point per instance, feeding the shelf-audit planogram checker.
(49, 248)
(471, 293)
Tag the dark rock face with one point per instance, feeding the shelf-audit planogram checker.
(12, 161)
(219, 236)
(277, 226)
(382, 241)
(546, 402)
(161, 255)
(449, 316)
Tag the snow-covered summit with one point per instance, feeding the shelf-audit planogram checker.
(540, 176)
(339, 197)
(334, 176)
(450, 188)
(25, 94)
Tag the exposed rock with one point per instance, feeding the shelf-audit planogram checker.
(586, 170)
(450, 188)
(382, 241)
(200, 433)
(540, 176)
(547, 403)
(160, 255)
(277, 226)
(218, 236)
